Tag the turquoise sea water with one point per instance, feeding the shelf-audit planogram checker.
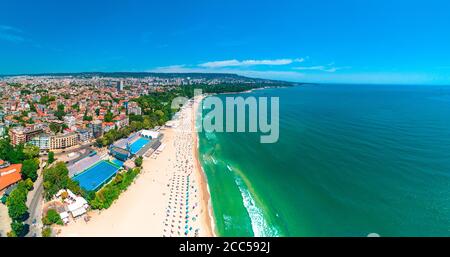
(351, 160)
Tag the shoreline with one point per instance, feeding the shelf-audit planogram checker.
(154, 196)
(209, 218)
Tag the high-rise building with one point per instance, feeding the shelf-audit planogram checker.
(96, 127)
(120, 85)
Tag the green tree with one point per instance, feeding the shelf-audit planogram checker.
(51, 218)
(109, 117)
(51, 157)
(15, 154)
(32, 107)
(19, 229)
(99, 142)
(104, 198)
(57, 178)
(60, 111)
(5, 149)
(159, 113)
(17, 208)
(46, 232)
(30, 168)
(138, 161)
(31, 151)
(55, 128)
(76, 107)
(29, 184)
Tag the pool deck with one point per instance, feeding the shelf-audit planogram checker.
(147, 147)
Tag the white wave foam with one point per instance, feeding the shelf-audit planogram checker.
(259, 224)
(210, 136)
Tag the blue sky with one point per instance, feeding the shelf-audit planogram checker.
(359, 41)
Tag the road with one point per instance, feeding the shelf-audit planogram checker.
(35, 203)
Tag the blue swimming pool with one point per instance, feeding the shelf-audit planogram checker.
(97, 175)
(138, 144)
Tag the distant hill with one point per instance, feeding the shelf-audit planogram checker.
(133, 74)
(209, 76)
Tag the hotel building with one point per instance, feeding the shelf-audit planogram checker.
(21, 135)
(63, 141)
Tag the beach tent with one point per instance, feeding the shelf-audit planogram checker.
(60, 192)
(78, 212)
(79, 203)
(71, 195)
(150, 134)
(64, 215)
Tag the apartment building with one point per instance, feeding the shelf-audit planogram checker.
(63, 141)
(21, 135)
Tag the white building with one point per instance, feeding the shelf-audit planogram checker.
(84, 135)
(70, 120)
(2, 129)
(42, 141)
(150, 134)
(136, 110)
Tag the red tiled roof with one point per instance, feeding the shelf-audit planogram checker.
(10, 175)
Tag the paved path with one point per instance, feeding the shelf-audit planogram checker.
(5, 221)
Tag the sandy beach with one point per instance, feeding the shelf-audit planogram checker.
(169, 198)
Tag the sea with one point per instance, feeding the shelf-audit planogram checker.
(351, 160)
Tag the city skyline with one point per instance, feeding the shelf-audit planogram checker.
(321, 42)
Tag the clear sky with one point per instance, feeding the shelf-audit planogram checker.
(359, 41)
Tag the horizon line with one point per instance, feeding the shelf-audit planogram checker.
(217, 73)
